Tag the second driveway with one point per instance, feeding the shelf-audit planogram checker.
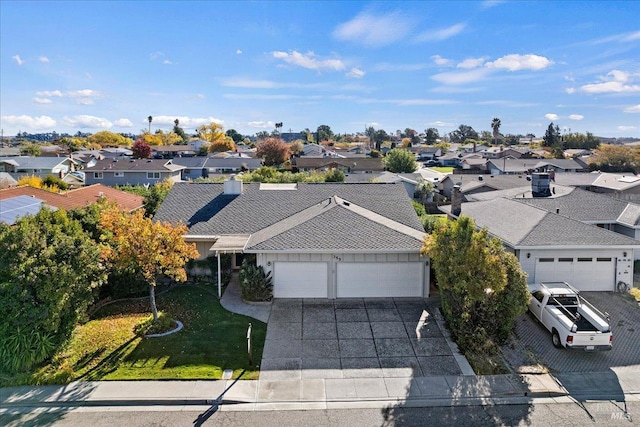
(355, 338)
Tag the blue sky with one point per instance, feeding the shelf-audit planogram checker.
(90, 66)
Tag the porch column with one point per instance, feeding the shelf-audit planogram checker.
(219, 276)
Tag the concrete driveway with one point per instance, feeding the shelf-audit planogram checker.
(356, 338)
(625, 324)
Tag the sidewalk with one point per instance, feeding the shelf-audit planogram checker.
(339, 393)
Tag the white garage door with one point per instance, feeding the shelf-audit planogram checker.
(585, 273)
(393, 279)
(300, 279)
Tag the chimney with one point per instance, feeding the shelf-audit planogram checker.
(232, 186)
(456, 200)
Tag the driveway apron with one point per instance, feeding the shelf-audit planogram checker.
(355, 338)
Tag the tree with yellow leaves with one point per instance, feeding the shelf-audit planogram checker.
(151, 249)
(109, 139)
(214, 133)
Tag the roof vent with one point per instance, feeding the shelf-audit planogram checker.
(557, 210)
(232, 186)
(346, 203)
(480, 178)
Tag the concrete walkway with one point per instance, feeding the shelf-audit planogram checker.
(329, 393)
(232, 301)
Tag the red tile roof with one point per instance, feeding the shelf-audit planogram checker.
(77, 198)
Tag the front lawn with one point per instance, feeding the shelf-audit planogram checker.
(442, 169)
(106, 347)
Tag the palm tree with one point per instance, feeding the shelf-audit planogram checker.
(150, 120)
(495, 125)
(177, 122)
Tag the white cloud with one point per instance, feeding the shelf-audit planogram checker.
(570, 90)
(439, 60)
(84, 101)
(633, 109)
(56, 93)
(167, 62)
(461, 77)
(441, 34)
(185, 121)
(42, 122)
(486, 4)
(615, 81)
(238, 52)
(83, 93)
(262, 125)
(309, 61)
(471, 63)
(516, 62)
(17, 59)
(631, 37)
(455, 89)
(627, 128)
(249, 83)
(440, 123)
(43, 59)
(576, 116)
(356, 73)
(551, 116)
(42, 100)
(85, 121)
(123, 123)
(388, 66)
(375, 30)
(200, 96)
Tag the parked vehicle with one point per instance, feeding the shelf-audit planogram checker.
(573, 322)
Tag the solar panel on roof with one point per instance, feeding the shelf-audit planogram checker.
(16, 207)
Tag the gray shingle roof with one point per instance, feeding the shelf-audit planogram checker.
(582, 205)
(521, 224)
(207, 211)
(137, 165)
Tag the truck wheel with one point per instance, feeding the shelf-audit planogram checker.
(555, 339)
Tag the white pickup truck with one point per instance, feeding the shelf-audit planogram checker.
(573, 322)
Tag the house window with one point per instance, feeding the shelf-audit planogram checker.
(565, 259)
(97, 175)
(585, 259)
(153, 175)
(604, 259)
(546, 259)
(118, 174)
(187, 171)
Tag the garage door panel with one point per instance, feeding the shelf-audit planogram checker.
(595, 275)
(403, 279)
(300, 280)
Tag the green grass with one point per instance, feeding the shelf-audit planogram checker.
(106, 347)
(442, 169)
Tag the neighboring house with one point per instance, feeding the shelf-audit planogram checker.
(329, 240)
(19, 201)
(450, 159)
(512, 166)
(39, 166)
(474, 184)
(352, 165)
(573, 153)
(316, 150)
(194, 167)
(500, 152)
(6, 180)
(132, 172)
(426, 152)
(9, 151)
(472, 148)
(408, 180)
(474, 162)
(171, 151)
(218, 165)
(115, 152)
(552, 247)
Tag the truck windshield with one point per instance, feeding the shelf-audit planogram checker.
(563, 300)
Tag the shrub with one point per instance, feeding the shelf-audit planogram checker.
(419, 208)
(54, 181)
(255, 285)
(148, 327)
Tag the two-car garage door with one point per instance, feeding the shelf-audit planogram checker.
(351, 280)
(585, 273)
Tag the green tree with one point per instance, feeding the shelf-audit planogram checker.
(463, 133)
(380, 137)
(273, 151)
(495, 127)
(477, 279)
(48, 270)
(234, 135)
(324, 133)
(179, 131)
(551, 136)
(412, 134)
(432, 136)
(400, 161)
(151, 249)
(30, 149)
(296, 147)
(334, 175)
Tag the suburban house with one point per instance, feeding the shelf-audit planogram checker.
(39, 166)
(553, 247)
(474, 184)
(352, 165)
(316, 150)
(513, 166)
(328, 240)
(500, 152)
(132, 172)
(171, 151)
(24, 200)
(203, 167)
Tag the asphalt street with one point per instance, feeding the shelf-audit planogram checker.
(599, 413)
